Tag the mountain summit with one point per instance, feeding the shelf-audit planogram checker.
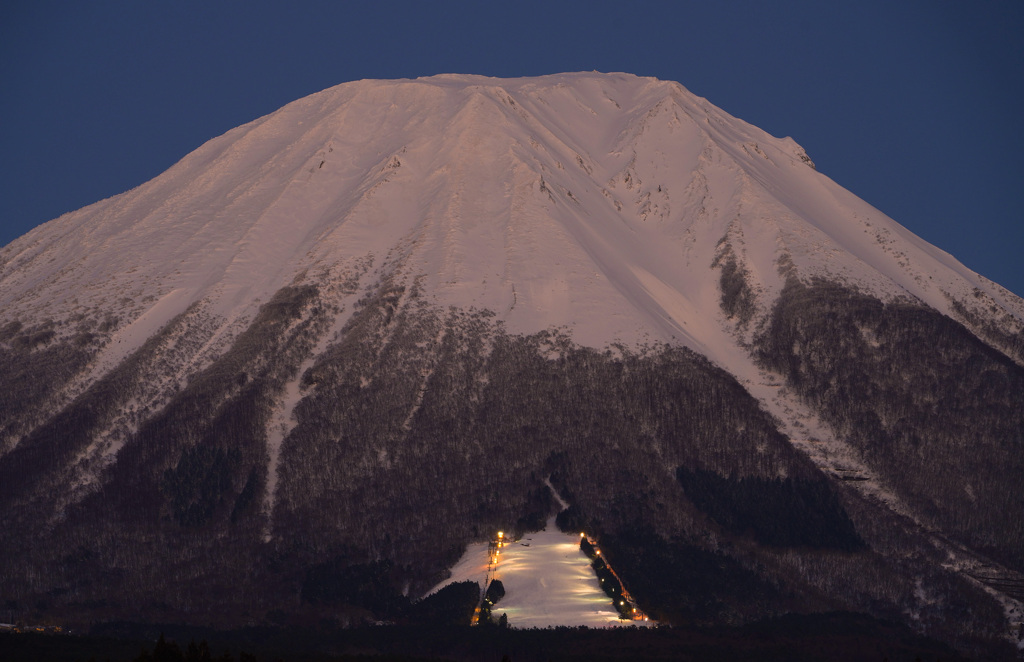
(412, 302)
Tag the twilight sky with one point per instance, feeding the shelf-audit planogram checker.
(914, 105)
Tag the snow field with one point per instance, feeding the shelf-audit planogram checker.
(548, 582)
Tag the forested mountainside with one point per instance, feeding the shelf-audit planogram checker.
(294, 376)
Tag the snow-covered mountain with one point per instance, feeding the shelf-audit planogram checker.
(476, 283)
(593, 202)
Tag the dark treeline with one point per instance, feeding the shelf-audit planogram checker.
(781, 512)
(192, 473)
(609, 582)
(421, 430)
(451, 414)
(35, 362)
(977, 313)
(835, 636)
(937, 415)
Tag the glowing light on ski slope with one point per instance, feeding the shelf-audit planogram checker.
(548, 582)
(547, 579)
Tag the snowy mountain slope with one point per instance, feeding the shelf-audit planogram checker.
(476, 181)
(316, 306)
(587, 202)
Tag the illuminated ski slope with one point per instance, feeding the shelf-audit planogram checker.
(548, 582)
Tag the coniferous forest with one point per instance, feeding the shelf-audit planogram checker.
(419, 430)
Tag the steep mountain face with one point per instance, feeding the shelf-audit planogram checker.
(333, 346)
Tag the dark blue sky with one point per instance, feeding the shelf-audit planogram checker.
(915, 106)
